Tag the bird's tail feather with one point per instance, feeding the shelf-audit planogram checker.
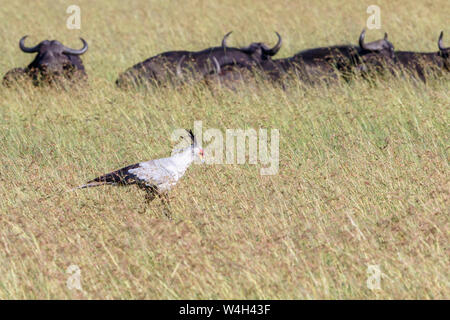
(118, 177)
(91, 184)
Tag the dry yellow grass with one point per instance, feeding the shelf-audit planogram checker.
(363, 176)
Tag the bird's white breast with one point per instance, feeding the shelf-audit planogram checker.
(163, 173)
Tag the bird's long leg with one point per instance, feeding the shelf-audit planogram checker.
(149, 195)
(165, 201)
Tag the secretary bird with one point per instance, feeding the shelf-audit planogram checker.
(157, 176)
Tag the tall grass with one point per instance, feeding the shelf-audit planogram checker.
(363, 176)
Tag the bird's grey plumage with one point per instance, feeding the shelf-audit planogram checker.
(157, 176)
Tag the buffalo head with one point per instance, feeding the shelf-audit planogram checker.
(382, 46)
(375, 57)
(53, 60)
(257, 50)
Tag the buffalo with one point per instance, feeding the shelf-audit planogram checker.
(175, 66)
(424, 64)
(329, 63)
(53, 62)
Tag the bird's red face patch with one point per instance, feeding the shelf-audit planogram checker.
(201, 153)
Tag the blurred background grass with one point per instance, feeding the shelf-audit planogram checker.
(363, 174)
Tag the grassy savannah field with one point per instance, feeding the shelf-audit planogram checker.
(363, 177)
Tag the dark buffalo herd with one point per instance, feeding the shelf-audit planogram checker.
(228, 65)
(328, 63)
(179, 65)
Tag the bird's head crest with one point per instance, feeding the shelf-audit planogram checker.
(191, 135)
(197, 151)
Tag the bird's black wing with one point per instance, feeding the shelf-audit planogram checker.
(121, 176)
